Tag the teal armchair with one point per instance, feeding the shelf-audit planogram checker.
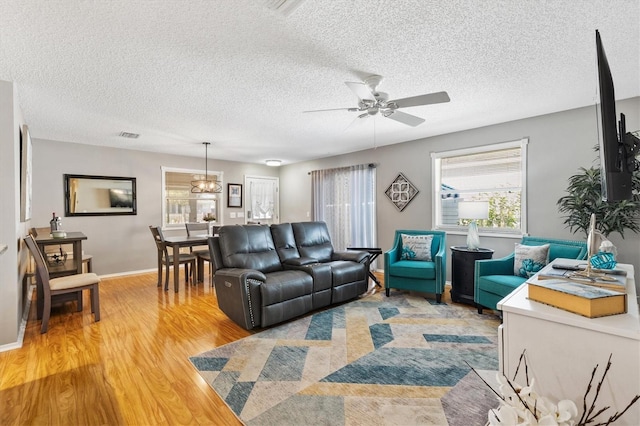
(495, 278)
(417, 275)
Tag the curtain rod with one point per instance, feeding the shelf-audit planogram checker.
(370, 165)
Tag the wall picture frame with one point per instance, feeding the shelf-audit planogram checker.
(26, 173)
(234, 195)
(89, 195)
(401, 192)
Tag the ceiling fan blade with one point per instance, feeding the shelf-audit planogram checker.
(357, 122)
(404, 118)
(332, 109)
(428, 99)
(361, 90)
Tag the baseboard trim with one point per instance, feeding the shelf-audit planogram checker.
(126, 273)
(23, 325)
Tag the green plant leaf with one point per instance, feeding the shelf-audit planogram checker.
(584, 198)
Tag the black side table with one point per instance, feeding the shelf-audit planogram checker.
(374, 252)
(463, 268)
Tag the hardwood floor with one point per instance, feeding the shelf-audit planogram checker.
(130, 368)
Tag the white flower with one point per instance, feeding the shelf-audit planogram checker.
(566, 413)
(505, 415)
(522, 406)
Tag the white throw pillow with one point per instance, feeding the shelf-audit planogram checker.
(530, 259)
(416, 247)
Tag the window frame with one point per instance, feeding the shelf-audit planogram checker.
(219, 196)
(436, 214)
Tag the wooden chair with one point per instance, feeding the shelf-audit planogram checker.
(166, 259)
(203, 254)
(62, 285)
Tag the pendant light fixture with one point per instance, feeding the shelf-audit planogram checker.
(205, 186)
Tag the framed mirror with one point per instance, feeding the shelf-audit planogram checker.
(86, 195)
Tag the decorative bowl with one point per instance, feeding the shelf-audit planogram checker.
(58, 234)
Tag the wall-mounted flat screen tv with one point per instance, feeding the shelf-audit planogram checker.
(618, 148)
(122, 198)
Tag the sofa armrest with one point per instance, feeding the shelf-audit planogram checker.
(238, 294)
(501, 266)
(440, 260)
(390, 256)
(352, 255)
(299, 261)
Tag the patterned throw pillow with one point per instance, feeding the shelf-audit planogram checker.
(416, 247)
(530, 259)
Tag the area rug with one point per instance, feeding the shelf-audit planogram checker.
(378, 360)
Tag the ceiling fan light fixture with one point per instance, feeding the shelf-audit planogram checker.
(205, 186)
(273, 163)
(372, 101)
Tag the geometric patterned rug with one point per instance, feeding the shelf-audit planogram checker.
(377, 360)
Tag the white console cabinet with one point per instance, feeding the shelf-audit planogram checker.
(563, 348)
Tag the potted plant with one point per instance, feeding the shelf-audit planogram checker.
(208, 217)
(584, 198)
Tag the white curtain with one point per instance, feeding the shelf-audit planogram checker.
(344, 198)
(261, 195)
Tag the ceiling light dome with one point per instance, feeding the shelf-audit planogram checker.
(273, 163)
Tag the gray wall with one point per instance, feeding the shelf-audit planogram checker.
(559, 144)
(119, 243)
(12, 261)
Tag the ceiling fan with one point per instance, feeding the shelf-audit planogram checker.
(372, 102)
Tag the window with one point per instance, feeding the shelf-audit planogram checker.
(180, 205)
(344, 198)
(262, 204)
(495, 174)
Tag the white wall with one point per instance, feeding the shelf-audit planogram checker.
(118, 243)
(559, 144)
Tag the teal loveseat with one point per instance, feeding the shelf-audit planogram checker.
(495, 278)
(426, 276)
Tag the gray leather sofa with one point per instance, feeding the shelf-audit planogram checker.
(265, 275)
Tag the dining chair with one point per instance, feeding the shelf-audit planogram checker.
(202, 254)
(62, 285)
(166, 259)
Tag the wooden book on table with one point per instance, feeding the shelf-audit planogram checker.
(581, 299)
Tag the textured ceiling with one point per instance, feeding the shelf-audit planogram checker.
(239, 74)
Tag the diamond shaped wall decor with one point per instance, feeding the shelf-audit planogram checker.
(401, 192)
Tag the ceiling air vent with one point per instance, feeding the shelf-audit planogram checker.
(129, 135)
(285, 7)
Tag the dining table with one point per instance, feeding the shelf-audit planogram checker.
(176, 243)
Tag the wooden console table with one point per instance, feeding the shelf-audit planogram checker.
(70, 266)
(562, 349)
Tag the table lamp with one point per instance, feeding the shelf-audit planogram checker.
(473, 210)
